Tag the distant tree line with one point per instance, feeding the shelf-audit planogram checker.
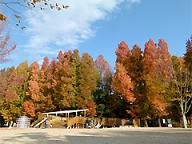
(149, 84)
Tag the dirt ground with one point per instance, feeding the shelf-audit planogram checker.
(96, 136)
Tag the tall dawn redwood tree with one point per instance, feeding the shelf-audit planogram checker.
(75, 68)
(33, 93)
(34, 89)
(122, 81)
(63, 96)
(135, 71)
(45, 88)
(89, 77)
(158, 73)
(103, 93)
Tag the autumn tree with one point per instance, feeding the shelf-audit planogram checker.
(188, 63)
(10, 107)
(182, 83)
(103, 93)
(123, 88)
(135, 69)
(188, 55)
(158, 72)
(51, 82)
(181, 92)
(65, 74)
(45, 87)
(39, 98)
(33, 82)
(150, 58)
(89, 77)
(75, 67)
(33, 94)
(22, 71)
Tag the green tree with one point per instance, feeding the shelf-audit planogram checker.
(103, 93)
(22, 71)
(89, 77)
(76, 76)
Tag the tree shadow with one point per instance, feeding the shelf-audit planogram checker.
(34, 138)
(98, 137)
(135, 136)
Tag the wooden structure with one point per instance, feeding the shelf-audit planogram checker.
(68, 119)
(67, 112)
(41, 122)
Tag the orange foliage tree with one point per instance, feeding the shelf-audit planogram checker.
(122, 82)
(158, 72)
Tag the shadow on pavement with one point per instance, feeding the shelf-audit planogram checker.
(34, 138)
(100, 137)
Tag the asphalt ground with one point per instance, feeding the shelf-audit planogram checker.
(96, 136)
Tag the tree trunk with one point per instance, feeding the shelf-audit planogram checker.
(10, 124)
(183, 115)
(135, 123)
(159, 122)
(146, 124)
(139, 122)
(184, 120)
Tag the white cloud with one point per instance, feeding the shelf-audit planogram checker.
(68, 27)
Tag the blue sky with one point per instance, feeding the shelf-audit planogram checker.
(98, 26)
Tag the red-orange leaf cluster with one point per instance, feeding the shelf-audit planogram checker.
(122, 83)
(29, 108)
